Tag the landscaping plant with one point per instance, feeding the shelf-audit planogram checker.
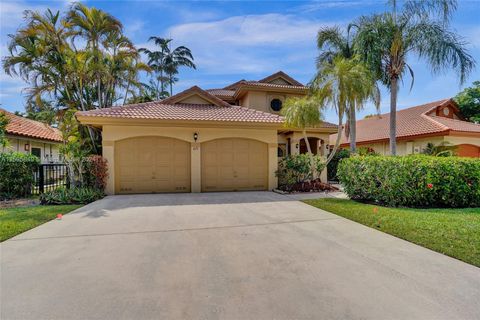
(412, 181)
(95, 172)
(17, 174)
(81, 195)
(294, 169)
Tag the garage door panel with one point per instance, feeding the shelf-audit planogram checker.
(151, 165)
(234, 164)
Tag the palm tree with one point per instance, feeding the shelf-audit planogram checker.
(385, 40)
(342, 84)
(303, 113)
(166, 62)
(332, 42)
(94, 26)
(179, 57)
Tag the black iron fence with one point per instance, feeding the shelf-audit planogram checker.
(49, 177)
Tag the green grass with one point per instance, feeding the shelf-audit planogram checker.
(454, 232)
(17, 220)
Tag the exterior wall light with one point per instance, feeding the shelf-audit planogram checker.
(296, 146)
(195, 136)
(27, 147)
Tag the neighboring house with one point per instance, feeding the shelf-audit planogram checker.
(436, 122)
(203, 140)
(34, 137)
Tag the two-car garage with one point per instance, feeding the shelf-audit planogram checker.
(155, 164)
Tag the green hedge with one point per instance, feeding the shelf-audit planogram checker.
(412, 181)
(16, 174)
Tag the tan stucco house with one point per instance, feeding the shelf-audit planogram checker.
(435, 122)
(199, 140)
(32, 137)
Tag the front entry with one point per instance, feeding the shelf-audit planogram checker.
(152, 165)
(234, 164)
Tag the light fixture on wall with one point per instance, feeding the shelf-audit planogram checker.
(195, 136)
(27, 147)
(296, 146)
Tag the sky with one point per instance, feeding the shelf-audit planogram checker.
(233, 40)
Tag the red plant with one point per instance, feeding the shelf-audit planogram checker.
(95, 172)
(429, 186)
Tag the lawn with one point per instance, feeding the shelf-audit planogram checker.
(17, 220)
(454, 232)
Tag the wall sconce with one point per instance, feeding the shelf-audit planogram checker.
(27, 147)
(296, 146)
(195, 136)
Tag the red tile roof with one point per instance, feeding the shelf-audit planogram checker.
(21, 126)
(281, 74)
(221, 92)
(190, 112)
(411, 122)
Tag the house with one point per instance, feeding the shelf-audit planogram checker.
(199, 140)
(435, 122)
(34, 137)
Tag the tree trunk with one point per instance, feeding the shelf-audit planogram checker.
(393, 116)
(337, 142)
(353, 129)
(310, 155)
(171, 86)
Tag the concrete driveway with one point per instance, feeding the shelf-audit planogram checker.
(251, 255)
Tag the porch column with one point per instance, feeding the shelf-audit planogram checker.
(195, 169)
(108, 152)
(272, 165)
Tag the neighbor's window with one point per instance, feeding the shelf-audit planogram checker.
(276, 104)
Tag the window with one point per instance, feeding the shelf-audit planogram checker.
(37, 152)
(276, 104)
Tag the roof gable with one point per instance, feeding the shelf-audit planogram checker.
(281, 78)
(195, 95)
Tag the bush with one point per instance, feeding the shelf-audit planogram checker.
(16, 174)
(71, 196)
(333, 164)
(296, 169)
(95, 172)
(412, 181)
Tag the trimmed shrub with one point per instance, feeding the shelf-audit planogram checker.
(95, 172)
(412, 181)
(16, 174)
(71, 196)
(294, 169)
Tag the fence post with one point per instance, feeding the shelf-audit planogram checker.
(41, 186)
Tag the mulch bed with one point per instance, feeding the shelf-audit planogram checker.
(310, 186)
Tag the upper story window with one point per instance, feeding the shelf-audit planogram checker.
(276, 104)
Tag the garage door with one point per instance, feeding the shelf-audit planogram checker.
(468, 150)
(151, 165)
(234, 164)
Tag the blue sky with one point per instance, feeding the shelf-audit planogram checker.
(234, 40)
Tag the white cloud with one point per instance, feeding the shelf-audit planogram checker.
(248, 44)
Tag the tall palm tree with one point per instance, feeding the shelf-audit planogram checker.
(166, 62)
(342, 84)
(94, 25)
(332, 42)
(386, 40)
(179, 57)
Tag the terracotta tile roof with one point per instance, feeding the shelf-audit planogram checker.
(189, 112)
(411, 122)
(224, 93)
(271, 85)
(21, 126)
(281, 74)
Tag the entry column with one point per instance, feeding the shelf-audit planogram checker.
(196, 169)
